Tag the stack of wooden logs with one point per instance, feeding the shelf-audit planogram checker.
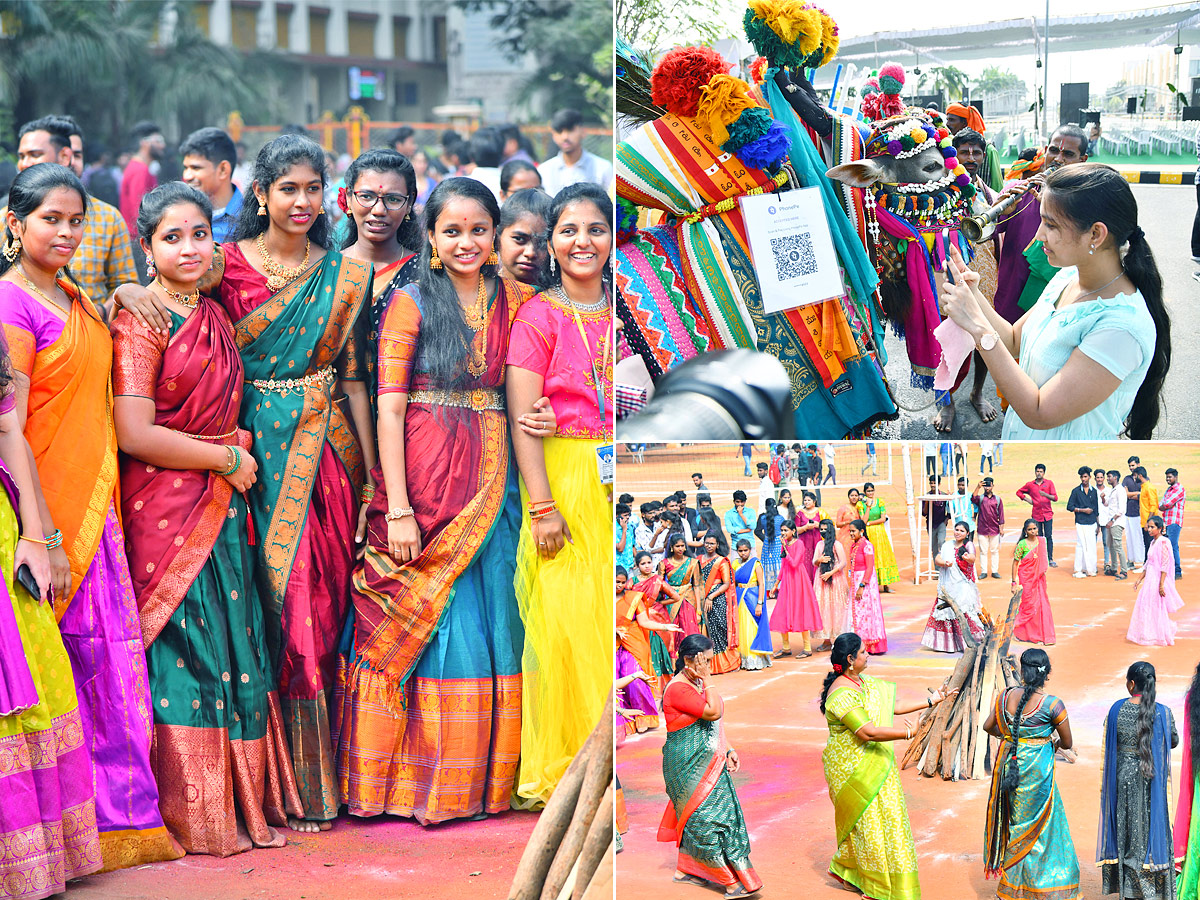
(570, 855)
(950, 739)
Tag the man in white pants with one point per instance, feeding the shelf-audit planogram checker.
(1135, 549)
(1084, 502)
(1112, 517)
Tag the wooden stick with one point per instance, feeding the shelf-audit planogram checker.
(601, 887)
(599, 839)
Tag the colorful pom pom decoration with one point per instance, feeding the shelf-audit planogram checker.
(680, 76)
(768, 151)
(627, 216)
(786, 32)
(749, 127)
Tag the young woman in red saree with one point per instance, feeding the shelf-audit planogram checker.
(220, 754)
(430, 694)
(1035, 621)
(297, 309)
(720, 599)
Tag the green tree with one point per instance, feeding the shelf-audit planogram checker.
(572, 43)
(994, 80)
(654, 26)
(953, 81)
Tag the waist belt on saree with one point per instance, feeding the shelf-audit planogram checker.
(284, 386)
(480, 398)
(1031, 742)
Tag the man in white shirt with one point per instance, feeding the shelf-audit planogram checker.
(830, 470)
(929, 451)
(766, 490)
(573, 164)
(651, 533)
(1112, 519)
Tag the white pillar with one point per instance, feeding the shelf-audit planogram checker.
(298, 28)
(220, 23)
(383, 30)
(337, 35)
(265, 37)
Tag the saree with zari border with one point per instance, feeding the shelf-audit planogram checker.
(703, 817)
(875, 850)
(219, 752)
(673, 164)
(1027, 842)
(722, 616)
(69, 427)
(295, 346)
(429, 688)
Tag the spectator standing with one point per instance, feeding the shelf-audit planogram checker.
(515, 144)
(404, 141)
(572, 164)
(936, 513)
(872, 460)
(1084, 502)
(1135, 549)
(698, 481)
(985, 455)
(624, 537)
(1171, 509)
(929, 452)
(814, 470)
(1113, 498)
(745, 451)
(686, 512)
(990, 527)
(1147, 504)
(651, 533)
(947, 451)
(679, 523)
(138, 179)
(739, 525)
(766, 490)
(962, 507)
(486, 148)
(830, 469)
(1041, 493)
(209, 156)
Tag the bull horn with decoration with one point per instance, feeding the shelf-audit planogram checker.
(915, 195)
(686, 280)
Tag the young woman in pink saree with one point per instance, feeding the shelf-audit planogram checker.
(220, 756)
(866, 609)
(1035, 621)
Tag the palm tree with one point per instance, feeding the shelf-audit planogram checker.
(950, 79)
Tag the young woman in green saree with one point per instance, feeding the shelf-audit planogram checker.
(703, 817)
(1027, 843)
(875, 851)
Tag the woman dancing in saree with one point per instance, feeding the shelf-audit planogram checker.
(636, 708)
(1151, 623)
(754, 628)
(1134, 848)
(430, 707)
(563, 346)
(61, 356)
(1187, 819)
(1027, 842)
(39, 711)
(873, 511)
(866, 609)
(1035, 621)
(683, 574)
(720, 604)
(703, 816)
(647, 624)
(875, 852)
(956, 579)
(297, 309)
(833, 599)
(219, 743)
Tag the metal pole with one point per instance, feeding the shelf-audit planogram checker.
(1046, 74)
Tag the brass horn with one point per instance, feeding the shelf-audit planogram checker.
(977, 229)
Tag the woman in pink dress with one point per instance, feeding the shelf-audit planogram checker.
(1151, 625)
(795, 601)
(1035, 623)
(866, 609)
(808, 523)
(829, 583)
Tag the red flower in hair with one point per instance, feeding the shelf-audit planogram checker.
(343, 205)
(837, 667)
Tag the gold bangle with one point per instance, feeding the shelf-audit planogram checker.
(368, 493)
(34, 540)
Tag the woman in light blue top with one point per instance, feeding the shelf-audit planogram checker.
(1095, 348)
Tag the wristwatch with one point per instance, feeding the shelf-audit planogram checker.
(989, 340)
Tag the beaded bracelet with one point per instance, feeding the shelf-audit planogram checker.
(235, 455)
(54, 540)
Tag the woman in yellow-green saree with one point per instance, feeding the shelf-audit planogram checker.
(875, 852)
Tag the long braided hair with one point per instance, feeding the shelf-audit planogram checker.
(769, 514)
(1143, 678)
(1035, 669)
(827, 531)
(845, 646)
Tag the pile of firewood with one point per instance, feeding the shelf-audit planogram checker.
(950, 738)
(570, 853)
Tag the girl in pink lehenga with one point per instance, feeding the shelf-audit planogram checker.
(866, 609)
(1035, 623)
(795, 602)
(1151, 625)
(829, 583)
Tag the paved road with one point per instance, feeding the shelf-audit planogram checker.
(1165, 213)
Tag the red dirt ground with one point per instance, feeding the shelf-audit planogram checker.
(772, 717)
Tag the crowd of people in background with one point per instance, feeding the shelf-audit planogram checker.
(359, 457)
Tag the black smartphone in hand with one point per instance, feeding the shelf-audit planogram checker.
(26, 580)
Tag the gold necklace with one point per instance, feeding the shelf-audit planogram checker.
(279, 275)
(189, 300)
(37, 290)
(604, 364)
(477, 319)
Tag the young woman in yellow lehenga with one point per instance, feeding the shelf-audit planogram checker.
(874, 513)
(875, 851)
(562, 347)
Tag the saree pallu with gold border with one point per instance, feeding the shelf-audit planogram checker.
(703, 817)
(673, 164)
(429, 693)
(722, 617)
(1027, 842)
(294, 347)
(219, 752)
(875, 850)
(69, 427)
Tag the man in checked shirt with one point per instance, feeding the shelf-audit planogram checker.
(1171, 506)
(104, 259)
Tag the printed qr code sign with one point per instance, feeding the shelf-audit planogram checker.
(794, 256)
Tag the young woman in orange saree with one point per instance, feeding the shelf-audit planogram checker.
(61, 357)
(720, 600)
(220, 753)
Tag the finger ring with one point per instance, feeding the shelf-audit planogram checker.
(541, 543)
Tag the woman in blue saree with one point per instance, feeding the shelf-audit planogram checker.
(754, 628)
(1134, 849)
(1027, 842)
